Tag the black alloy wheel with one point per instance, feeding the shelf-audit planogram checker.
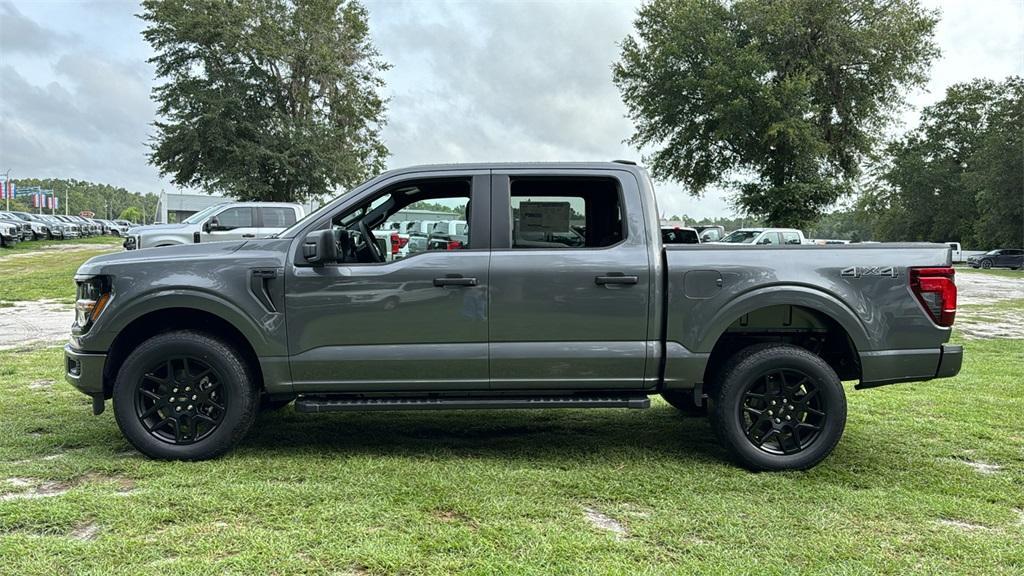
(782, 412)
(181, 400)
(185, 395)
(777, 407)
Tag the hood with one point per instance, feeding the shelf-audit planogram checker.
(134, 258)
(160, 227)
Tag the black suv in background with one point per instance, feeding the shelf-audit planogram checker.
(1005, 258)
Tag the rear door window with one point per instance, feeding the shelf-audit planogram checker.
(277, 217)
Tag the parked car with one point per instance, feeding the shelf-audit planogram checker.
(189, 341)
(24, 228)
(710, 233)
(67, 229)
(84, 228)
(1003, 258)
(765, 236)
(219, 223)
(679, 235)
(10, 234)
(41, 228)
(448, 235)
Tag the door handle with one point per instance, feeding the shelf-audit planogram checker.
(616, 278)
(248, 235)
(454, 280)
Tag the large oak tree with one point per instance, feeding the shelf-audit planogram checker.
(779, 100)
(265, 99)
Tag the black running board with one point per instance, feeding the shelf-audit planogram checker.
(311, 404)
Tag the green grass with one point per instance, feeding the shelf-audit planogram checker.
(35, 245)
(506, 492)
(45, 273)
(1004, 272)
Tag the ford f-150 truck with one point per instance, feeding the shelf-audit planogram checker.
(190, 342)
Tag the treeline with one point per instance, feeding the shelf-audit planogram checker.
(958, 177)
(104, 200)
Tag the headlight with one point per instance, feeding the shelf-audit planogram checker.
(92, 298)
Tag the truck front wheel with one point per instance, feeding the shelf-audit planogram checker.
(778, 407)
(184, 395)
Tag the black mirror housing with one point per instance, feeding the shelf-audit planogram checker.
(206, 226)
(319, 247)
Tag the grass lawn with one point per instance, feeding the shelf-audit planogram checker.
(36, 245)
(929, 478)
(42, 270)
(1004, 272)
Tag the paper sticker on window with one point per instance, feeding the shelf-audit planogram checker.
(544, 216)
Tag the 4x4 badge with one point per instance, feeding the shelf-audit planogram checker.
(859, 271)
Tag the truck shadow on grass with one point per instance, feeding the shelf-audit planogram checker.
(537, 435)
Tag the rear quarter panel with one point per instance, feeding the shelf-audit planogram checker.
(872, 300)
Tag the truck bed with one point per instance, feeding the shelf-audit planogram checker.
(862, 288)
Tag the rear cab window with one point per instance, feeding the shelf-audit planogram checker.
(565, 213)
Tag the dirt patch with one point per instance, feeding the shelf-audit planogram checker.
(85, 532)
(63, 248)
(40, 384)
(41, 490)
(982, 467)
(48, 488)
(976, 294)
(35, 323)
(987, 323)
(960, 525)
(602, 522)
(975, 288)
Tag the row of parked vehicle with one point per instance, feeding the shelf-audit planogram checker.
(18, 227)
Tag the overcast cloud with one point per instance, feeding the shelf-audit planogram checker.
(474, 81)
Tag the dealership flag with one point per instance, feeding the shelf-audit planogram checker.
(8, 191)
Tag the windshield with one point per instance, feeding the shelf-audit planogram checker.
(741, 237)
(202, 214)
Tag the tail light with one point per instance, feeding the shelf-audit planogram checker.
(454, 245)
(395, 243)
(936, 291)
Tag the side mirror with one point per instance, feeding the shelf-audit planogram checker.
(319, 247)
(210, 224)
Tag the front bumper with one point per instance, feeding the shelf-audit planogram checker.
(84, 370)
(894, 366)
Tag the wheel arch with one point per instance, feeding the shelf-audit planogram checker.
(802, 316)
(160, 320)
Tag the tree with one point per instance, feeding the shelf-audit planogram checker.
(779, 101)
(131, 214)
(265, 99)
(995, 174)
(959, 176)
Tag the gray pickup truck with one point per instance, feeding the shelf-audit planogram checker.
(190, 342)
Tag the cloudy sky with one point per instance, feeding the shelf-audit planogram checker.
(471, 81)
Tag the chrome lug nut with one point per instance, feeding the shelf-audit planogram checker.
(777, 421)
(771, 413)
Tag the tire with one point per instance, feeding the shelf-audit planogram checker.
(986, 264)
(755, 394)
(682, 400)
(203, 378)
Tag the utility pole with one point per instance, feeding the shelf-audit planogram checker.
(7, 188)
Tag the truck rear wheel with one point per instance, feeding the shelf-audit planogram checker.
(682, 400)
(184, 395)
(778, 407)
